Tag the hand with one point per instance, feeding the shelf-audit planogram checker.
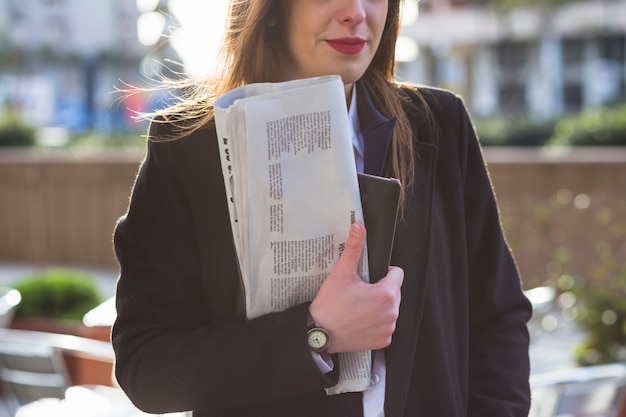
(357, 315)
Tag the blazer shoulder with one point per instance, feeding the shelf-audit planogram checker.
(440, 102)
(434, 113)
(172, 141)
(164, 130)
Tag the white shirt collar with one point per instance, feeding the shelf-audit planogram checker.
(358, 144)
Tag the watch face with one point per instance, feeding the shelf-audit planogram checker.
(317, 339)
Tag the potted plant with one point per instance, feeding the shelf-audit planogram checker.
(55, 301)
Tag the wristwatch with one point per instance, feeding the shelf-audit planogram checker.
(317, 339)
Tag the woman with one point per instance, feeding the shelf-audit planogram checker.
(449, 319)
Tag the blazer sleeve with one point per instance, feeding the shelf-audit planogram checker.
(498, 357)
(172, 354)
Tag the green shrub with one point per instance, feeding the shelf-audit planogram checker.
(58, 294)
(504, 131)
(491, 131)
(604, 126)
(16, 134)
(99, 140)
(601, 316)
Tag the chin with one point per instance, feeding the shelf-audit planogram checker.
(348, 75)
(351, 78)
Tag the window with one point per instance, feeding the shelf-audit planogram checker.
(612, 47)
(573, 51)
(512, 98)
(573, 96)
(512, 56)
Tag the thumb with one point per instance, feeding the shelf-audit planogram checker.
(351, 255)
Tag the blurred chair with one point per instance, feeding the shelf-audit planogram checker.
(30, 371)
(10, 298)
(36, 382)
(542, 300)
(102, 315)
(595, 391)
(79, 401)
(33, 364)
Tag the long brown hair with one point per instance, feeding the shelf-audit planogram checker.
(252, 47)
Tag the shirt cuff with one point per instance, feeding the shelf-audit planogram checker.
(323, 361)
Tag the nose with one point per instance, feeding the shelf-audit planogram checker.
(352, 11)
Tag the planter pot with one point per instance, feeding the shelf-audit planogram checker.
(83, 366)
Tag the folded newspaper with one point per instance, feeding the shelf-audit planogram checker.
(291, 181)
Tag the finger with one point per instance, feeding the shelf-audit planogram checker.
(351, 255)
(394, 278)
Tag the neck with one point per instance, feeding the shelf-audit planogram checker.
(348, 90)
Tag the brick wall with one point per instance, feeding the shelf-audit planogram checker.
(563, 213)
(61, 208)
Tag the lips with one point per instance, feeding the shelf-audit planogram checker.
(349, 46)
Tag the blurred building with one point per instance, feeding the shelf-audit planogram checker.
(60, 60)
(541, 62)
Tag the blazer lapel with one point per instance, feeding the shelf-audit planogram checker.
(376, 130)
(411, 252)
(411, 245)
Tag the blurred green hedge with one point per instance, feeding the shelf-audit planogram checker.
(605, 126)
(505, 131)
(13, 133)
(593, 127)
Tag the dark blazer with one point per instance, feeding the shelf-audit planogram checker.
(181, 340)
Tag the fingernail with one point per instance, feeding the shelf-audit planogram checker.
(356, 229)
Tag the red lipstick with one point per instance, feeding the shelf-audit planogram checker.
(350, 46)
